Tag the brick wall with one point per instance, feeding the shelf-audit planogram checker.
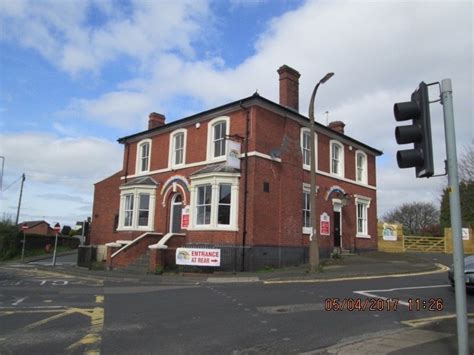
(274, 218)
(105, 209)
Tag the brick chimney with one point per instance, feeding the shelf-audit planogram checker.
(337, 126)
(155, 120)
(289, 92)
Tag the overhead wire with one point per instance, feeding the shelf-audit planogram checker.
(5, 189)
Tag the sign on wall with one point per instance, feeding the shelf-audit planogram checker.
(185, 218)
(325, 224)
(233, 154)
(465, 234)
(198, 257)
(389, 232)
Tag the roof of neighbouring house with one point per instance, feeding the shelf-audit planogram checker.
(32, 224)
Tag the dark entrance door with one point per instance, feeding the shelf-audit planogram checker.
(176, 209)
(337, 229)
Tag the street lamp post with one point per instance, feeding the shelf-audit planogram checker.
(313, 240)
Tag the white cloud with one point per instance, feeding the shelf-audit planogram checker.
(60, 173)
(48, 159)
(379, 51)
(123, 109)
(60, 31)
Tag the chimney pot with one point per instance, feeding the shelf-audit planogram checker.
(289, 87)
(337, 126)
(156, 120)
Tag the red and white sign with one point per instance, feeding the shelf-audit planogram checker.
(24, 227)
(325, 224)
(198, 257)
(185, 218)
(57, 228)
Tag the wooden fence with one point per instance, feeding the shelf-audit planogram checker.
(392, 240)
(424, 244)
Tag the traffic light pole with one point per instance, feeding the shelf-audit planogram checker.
(455, 209)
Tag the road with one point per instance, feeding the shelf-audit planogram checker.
(67, 259)
(42, 312)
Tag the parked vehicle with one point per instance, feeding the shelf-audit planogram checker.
(468, 273)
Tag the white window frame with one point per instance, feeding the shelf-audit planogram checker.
(340, 173)
(136, 191)
(210, 138)
(363, 180)
(307, 190)
(215, 180)
(302, 133)
(138, 166)
(365, 202)
(172, 148)
(205, 186)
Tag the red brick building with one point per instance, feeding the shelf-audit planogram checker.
(38, 227)
(253, 205)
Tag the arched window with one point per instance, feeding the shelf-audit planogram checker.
(143, 156)
(305, 140)
(361, 167)
(218, 129)
(177, 155)
(336, 158)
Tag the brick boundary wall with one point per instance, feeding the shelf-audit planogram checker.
(134, 251)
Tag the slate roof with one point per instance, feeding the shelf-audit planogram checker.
(216, 168)
(144, 181)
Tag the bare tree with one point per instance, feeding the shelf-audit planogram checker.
(416, 217)
(466, 164)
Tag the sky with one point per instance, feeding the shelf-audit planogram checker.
(77, 75)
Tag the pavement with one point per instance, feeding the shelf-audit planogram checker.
(363, 266)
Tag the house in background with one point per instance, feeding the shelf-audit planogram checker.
(236, 178)
(38, 227)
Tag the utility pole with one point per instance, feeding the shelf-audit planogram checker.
(19, 201)
(56, 229)
(1, 175)
(313, 239)
(455, 209)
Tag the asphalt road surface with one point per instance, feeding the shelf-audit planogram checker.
(42, 312)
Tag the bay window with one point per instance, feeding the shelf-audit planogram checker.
(137, 207)
(214, 202)
(203, 204)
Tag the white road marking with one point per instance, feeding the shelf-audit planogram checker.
(369, 293)
(18, 301)
(36, 307)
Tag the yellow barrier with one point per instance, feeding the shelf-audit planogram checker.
(390, 238)
(468, 241)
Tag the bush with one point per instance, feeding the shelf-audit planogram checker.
(9, 240)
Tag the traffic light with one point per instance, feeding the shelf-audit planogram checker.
(418, 133)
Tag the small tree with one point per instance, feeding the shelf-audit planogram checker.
(416, 217)
(9, 239)
(466, 191)
(65, 230)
